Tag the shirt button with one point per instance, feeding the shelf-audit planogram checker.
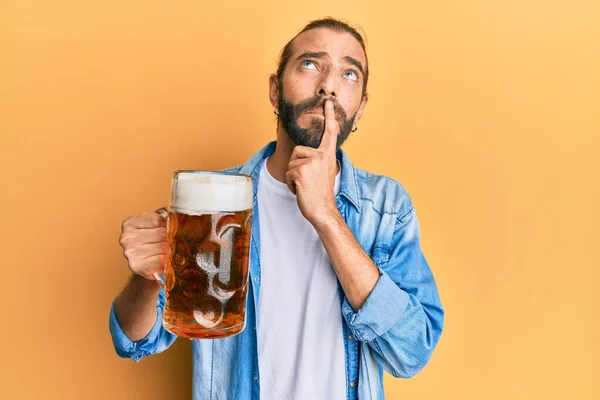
(351, 384)
(255, 378)
(351, 337)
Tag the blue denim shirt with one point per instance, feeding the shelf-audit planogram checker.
(396, 329)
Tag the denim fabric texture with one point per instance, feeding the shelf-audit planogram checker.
(395, 330)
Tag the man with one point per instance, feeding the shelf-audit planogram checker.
(339, 288)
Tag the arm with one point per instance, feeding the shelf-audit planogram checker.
(136, 314)
(394, 307)
(156, 338)
(355, 270)
(135, 307)
(400, 315)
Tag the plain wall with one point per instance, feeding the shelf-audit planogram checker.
(487, 111)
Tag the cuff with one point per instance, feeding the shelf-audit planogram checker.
(127, 348)
(383, 308)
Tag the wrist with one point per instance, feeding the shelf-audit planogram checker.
(327, 219)
(145, 285)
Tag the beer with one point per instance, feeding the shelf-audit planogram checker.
(206, 276)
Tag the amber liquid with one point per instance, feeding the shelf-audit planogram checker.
(206, 276)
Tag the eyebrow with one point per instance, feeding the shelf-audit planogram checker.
(356, 63)
(322, 54)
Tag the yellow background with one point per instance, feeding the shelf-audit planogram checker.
(487, 111)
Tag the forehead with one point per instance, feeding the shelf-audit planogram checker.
(337, 44)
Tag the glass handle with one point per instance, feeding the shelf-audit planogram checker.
(160, 277)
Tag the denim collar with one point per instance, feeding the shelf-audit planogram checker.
(348, 186)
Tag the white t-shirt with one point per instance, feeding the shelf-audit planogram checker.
(300, 342)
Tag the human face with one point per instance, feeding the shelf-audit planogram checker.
(324, 64)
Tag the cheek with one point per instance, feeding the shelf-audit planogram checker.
(298, 87)
(293, 91)
(350, 105)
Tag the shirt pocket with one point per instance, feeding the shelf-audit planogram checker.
(381, 255)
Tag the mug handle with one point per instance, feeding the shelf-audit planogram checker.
(160, 277)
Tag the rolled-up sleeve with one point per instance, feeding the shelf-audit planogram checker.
(156, 341)
(402, 318)
(383, 309)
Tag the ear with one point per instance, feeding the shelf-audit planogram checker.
(361, 108)
(274, 90)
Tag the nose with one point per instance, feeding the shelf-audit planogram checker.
(327, 85)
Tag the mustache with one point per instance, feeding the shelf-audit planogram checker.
(318, 102)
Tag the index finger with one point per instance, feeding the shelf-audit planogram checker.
(330, 135)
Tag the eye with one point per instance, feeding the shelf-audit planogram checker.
(350, 74)
(309, 64)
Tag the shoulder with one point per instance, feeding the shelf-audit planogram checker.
(383, 194)
(234, 169)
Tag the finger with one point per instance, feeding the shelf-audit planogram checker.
(296, 163)
(143, 236)
(289, 180)
(329, 140)
(154, 235)
(153, 249)
(302, 152)
(163, 212)
(148, 266)
(147, 220)
(136, 253)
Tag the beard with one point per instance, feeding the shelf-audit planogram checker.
(312, 136)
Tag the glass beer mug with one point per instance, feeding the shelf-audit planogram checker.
(209, 224)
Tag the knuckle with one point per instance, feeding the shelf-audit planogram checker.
(126, 223)
(126, 239)
(127, 255)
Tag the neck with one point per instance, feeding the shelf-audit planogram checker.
(277, 164)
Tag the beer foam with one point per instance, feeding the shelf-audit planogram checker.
(204, 192)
